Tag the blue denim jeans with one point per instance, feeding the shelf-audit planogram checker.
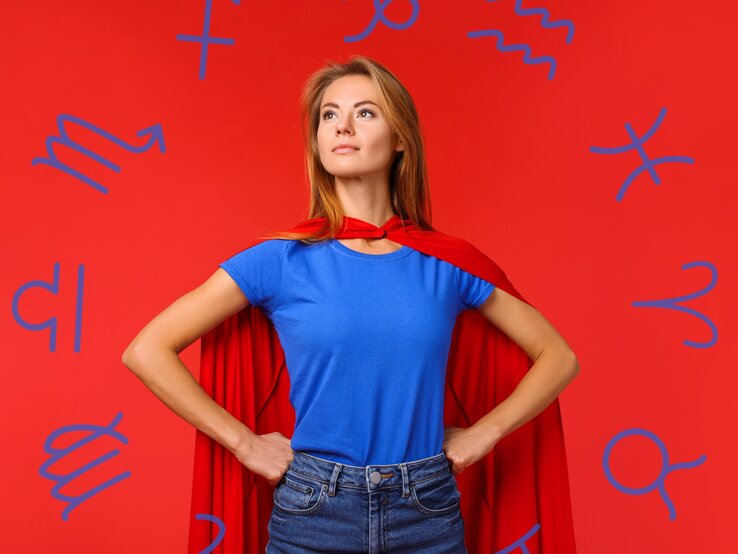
(323, 506)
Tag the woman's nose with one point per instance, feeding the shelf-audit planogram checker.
(341, 127)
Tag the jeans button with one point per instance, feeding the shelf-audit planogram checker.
(375, 477)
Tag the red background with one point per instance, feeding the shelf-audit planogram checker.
(510, 168)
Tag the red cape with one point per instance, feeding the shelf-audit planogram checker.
(520, 485)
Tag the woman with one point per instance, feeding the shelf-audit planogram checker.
(366, 326)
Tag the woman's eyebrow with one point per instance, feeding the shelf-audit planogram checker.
(333, 105)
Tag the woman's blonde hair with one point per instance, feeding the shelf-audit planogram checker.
(408, 178)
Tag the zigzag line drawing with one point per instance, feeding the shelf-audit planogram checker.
(568, 23)
(513, 47)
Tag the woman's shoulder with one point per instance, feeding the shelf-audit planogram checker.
(261, 251)
(282, 247)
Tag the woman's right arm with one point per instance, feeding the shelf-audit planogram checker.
(153, 356)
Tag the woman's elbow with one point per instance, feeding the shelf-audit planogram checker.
(570, 362)
(574, 365)
(133, 355)
(128, 357)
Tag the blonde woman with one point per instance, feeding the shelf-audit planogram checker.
(365, 316)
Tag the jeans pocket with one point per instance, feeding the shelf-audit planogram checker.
(298, 494)
(436, 496)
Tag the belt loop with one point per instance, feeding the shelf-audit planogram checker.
(334, 478)
(405, 481)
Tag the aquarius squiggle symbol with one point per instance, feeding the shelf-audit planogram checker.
(520, 543)
(666, 468)
(221, 531)
(154, 133)
(51, 323)
(96, 432)
(670, 303)
(637, 145)
(546, 24)
(514, 47)
(379, 7)
(205, 39)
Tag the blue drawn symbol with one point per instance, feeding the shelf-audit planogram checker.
(96, 432)
(665, 467)
(51, 323)
(669, 303)
(205, 39)
(379, 7)
(221, 531)
(546, 24)
(520, 543)
(637, 145)
(511, 48)
(154, 132)
(568, 23)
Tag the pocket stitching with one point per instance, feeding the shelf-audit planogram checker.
(295, 511)
(431, 511)
(299, 487)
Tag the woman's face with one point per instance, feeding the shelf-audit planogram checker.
(363, 126)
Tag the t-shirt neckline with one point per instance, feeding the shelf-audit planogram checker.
(343, 249)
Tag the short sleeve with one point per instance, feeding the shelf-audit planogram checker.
(258, 271)
(473, 290)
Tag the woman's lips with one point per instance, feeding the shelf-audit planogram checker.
(344, 150)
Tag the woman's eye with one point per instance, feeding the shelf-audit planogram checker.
(325, 114)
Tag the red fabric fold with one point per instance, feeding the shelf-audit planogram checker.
(521, 484)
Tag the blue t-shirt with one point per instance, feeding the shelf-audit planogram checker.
(366, 339)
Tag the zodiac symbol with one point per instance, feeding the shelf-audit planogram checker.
(511, 48)
(51, 323)
(670, 304)
(205, 39)
(665, 467)
(637, 145)
(520, 543)
(154, 131)
(96, 432)
(545, 23)
(519, 10)
(379, 7)
(221, 531)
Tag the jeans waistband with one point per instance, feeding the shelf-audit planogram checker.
(369, 478)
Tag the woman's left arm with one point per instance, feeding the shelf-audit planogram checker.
(555, 366)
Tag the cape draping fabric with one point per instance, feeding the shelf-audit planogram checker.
(520, 485)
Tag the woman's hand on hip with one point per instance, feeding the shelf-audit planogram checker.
(268, 455)
(463, 447)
